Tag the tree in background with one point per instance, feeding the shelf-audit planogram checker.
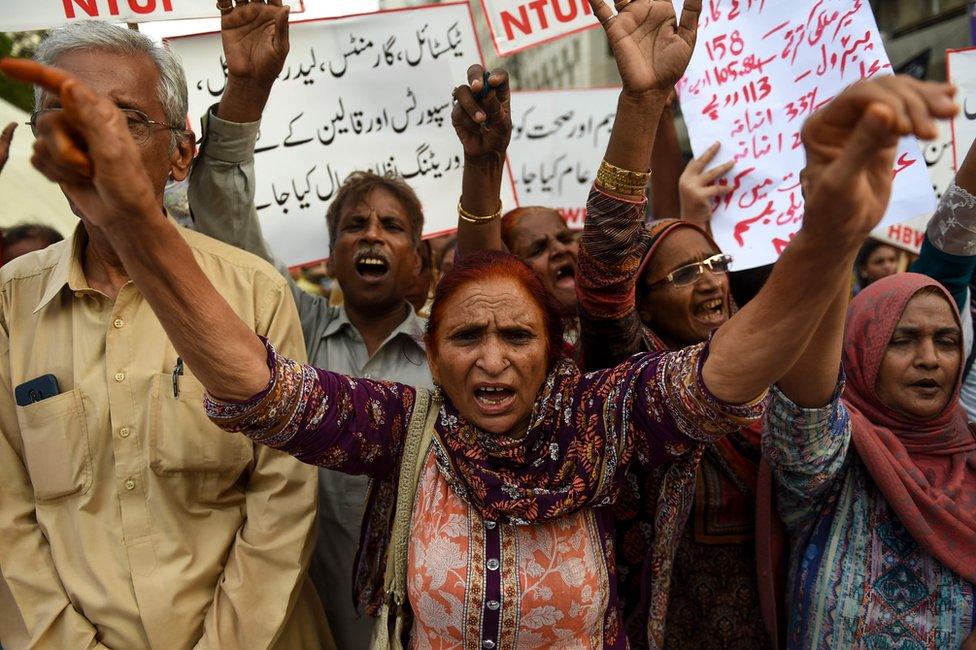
(20, 44)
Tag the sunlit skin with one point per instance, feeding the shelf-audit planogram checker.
(881, 263)
(130, 82)
(491, 354)
(541, 238)
(377, 228)
(687, 315)
(920, 367)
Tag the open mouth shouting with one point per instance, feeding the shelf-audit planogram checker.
(371, 265)
(565, 276)
(711, 311)
(494, 399)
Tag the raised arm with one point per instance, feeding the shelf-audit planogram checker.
(318, 416)
(667, 163)
(255, 43)
(850, 145)
(949, 250)
(482, 118)
(651, 51)
(6, 138)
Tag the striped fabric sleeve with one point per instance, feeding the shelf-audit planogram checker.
(613, 243)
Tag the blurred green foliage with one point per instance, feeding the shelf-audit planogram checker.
(19, 44)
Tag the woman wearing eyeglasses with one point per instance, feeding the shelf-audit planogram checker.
(655, 288)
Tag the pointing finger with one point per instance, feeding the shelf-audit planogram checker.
(32, 72)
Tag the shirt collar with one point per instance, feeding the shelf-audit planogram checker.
(413, 326)
(68, 270)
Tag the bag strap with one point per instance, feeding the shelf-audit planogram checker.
(419, 437)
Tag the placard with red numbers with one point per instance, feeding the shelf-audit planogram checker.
(760, 69)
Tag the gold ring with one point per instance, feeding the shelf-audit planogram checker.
(606, 23)
(225, 7)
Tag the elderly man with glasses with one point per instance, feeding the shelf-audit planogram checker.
(127, 520)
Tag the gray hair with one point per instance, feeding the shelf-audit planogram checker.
(105, 37)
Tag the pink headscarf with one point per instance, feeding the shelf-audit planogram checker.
(925, 469)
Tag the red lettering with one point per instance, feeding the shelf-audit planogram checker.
(781, 244)
(564, 17)
(508, 20)
(88, 6)
(538, 6)
(147, 8)
(894, 232)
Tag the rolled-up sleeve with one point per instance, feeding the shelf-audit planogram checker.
(222, 186)
(807, 450)
(611, 248)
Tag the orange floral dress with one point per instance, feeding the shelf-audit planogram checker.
(478, 584)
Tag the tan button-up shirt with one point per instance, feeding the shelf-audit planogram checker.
(127, 519)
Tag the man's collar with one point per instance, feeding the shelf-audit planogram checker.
(412, 326)
(68, 270)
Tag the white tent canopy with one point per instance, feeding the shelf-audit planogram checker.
(25, 195)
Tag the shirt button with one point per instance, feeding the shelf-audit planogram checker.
(488, 643)
(78, 294)
(120, 376)
(492, 564)
(118, 323)
(493, 605)
(124, 432)
(130, 484)
(490, 525)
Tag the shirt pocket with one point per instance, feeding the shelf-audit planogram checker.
(56, 446)
(182, 439)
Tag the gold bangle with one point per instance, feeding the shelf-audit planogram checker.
(464, 215)
(622, 181)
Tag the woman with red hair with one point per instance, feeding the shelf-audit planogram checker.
(487, 521)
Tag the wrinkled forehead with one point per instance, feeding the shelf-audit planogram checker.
(537, 222)
(130, 80)
(499, 302)
(679, 247)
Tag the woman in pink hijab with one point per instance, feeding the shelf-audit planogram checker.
(878, 487)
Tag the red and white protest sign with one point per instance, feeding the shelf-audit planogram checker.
(42, 14)
(761, 67)
(517, 25)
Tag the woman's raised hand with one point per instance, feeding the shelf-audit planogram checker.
(482, 116)
(851, 145)
(699, 187)
(651, 46)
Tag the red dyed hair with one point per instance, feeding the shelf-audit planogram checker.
(484, 265)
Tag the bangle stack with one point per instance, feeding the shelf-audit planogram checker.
(622, 181)
(464, 215)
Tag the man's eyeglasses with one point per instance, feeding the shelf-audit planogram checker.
(140, 126)
(690, 273)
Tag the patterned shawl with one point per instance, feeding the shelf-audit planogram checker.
(559, 465)
(926, 470)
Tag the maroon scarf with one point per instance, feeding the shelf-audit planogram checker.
(926, 470)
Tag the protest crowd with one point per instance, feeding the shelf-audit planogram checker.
(516, 435)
